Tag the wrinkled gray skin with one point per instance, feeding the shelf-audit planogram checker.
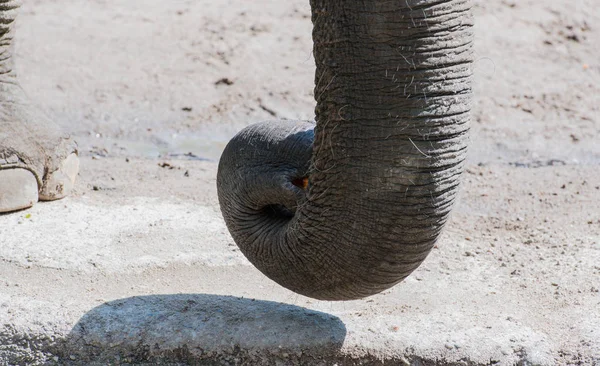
(37, 161)
(393, 91)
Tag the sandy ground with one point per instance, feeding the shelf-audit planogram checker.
(138, 266)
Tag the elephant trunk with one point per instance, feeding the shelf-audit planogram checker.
(393, 91)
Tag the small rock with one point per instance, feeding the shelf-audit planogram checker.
(225, 81)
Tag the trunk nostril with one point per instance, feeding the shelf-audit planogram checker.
(278, 211)
(301, 182)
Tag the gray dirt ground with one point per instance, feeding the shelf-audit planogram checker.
(138, 266)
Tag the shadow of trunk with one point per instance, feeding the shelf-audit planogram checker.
(199, 328)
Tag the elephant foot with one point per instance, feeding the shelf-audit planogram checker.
(37, 162)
